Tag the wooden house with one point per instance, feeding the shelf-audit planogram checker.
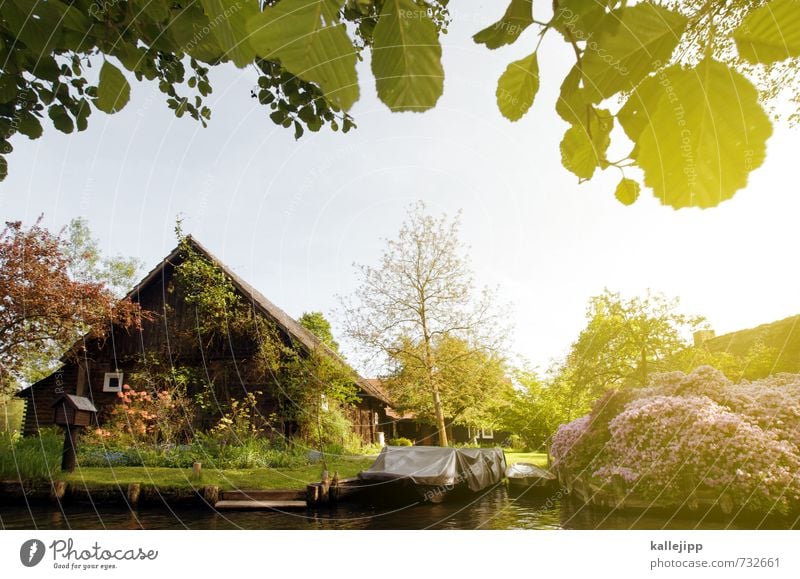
(97, 368)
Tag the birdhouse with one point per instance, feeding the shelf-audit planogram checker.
(73, 410)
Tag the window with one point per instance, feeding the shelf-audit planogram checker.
(487, 433)
(112, 382)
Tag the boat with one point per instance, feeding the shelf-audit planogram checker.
(527, 476)
(435, 473)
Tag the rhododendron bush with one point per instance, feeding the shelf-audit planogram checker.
(695, 434)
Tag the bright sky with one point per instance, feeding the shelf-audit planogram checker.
(292, 217)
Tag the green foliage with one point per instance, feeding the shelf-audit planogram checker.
(697, 149)
(734, 54)
(113, 90)
(626, 340)
(538, 407)
(759, 361)
(308, 39)
(209, 450)
(518, 16)
(400, 442)
(517, 87)
(316, 323)
(240, 422)
(219, 307)
(770, 33)
(87, 262)
(692, 109)
(11, 413)
(471, 381)
(32, 457)
(406, 57)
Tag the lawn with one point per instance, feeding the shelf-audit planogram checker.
(257, 478)
(537, 458)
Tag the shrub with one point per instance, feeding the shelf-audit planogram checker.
(400, 442)
(695, 432)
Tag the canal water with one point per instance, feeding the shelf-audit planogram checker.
(495, 509)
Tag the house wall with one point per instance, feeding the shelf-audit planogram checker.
(229, 363)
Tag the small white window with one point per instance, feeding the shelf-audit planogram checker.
(112, 382)
(487, 433)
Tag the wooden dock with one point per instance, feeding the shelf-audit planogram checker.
(264, 500)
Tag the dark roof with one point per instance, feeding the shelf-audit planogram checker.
(284, 321)
(782, 335)
(78, 402)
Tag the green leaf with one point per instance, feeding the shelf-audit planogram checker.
(229, 26)
(3, 168)
(156, 10)
(113, 90)
(770, 33)
(641, 104)
(706, 135)
(572, 105)
(189, 31)
(36, 24)
(8, 87)
(583, 148)
(517, 87)
(406, 57)
(30, 126)
(578, 19)
(518, 16)
(627, 191)
(61, 119)
(616, 60)
(310, 42)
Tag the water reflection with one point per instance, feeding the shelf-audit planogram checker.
(495, 509)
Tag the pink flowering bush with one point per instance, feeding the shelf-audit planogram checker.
(695, 433)
(567, 438)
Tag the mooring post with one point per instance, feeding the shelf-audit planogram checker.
(335, 487)
(325, 484)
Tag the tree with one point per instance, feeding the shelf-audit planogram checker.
(625, 340)
(539, 406)
(408, 309)
(43, 305)
(680, 77)
(472, 382)
(118, 273)
(317, 324)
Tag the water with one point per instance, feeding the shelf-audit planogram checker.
(494, 509)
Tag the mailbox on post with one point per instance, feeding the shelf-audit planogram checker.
(73, 413)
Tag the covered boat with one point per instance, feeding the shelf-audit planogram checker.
(524, 475)
(436, 472)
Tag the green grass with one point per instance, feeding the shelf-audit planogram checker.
(537, 458)
(257, 478)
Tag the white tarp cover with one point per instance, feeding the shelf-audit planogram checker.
(439, 466)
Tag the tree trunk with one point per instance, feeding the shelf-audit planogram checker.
(440, 425)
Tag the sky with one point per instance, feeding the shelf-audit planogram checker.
(292, 217)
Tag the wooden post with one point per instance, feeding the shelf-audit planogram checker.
(134, 490)
(334, 492)
(211, 494)
(57, 490)
(70, 446)
(325, 484)
(196, 469)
